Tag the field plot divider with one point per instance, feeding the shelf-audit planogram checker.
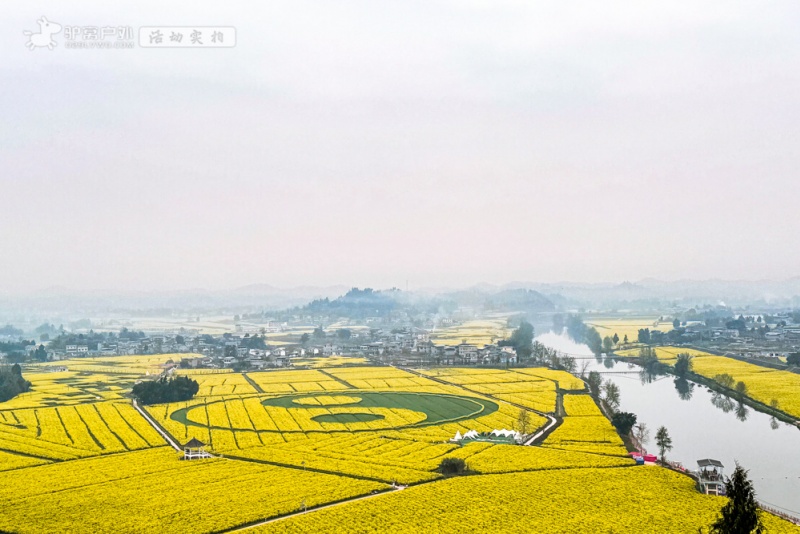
(158, 428)
(340, 380)
(253, 383)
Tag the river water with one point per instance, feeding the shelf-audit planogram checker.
(704, 424)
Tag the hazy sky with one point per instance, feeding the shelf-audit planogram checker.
(370, 143)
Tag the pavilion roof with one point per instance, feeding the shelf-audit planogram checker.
(709, 462)
(194, 443)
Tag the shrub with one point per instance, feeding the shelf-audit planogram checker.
(452, 466)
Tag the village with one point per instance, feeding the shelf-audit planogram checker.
(405, 346)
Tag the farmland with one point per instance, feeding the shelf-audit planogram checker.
(288, 439)
(154, 491)
(478, 332)
(628, 326)
(635, 500)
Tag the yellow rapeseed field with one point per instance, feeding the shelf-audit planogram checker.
(285, 439)
(630, 326)
(154, 491)
(634, 500)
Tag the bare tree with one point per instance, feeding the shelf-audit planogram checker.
(642, 434)
(584, 367)
(612, 395)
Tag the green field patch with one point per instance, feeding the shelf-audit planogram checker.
(347, 418)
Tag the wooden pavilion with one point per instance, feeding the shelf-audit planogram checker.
(195, 449)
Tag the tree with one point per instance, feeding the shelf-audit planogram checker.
(663, 442)
(230, 351)
(523, 422)
(625, 340)
(612, 395)
(642, 434)
(683, 365)
(595, 381)
(644, 335)
(165, 390)
(522, 340)
(741, 514)
(741, 389)
(793, 358)
(40, 353)
(608, 344)
(11, 382)
(623, 422)
(305, 338)
(615, 339)
(648, 359)
(676, 323)
(452, 466)
(343, 333)
(724, 380)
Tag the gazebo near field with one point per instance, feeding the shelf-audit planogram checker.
(195, 449)
(710, 479)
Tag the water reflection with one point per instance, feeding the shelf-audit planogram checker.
(723, 402)
(649, 375)
(684, 388)
(774, 424)
(742, 412)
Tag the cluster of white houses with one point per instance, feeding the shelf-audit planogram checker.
(403, 345)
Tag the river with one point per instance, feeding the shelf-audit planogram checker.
(704, 424)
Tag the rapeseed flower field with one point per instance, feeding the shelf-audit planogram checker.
(285, 440)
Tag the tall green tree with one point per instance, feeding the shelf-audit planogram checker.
(663, 442)
(623, 422)
(683, 364)
(741, 514)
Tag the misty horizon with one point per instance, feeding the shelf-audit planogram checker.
(517, 143)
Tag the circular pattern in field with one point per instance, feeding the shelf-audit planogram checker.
(347, 417)
(334, 412)
(327, 400)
